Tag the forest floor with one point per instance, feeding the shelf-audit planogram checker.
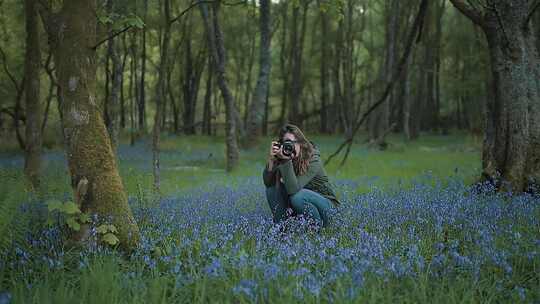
(410, 229)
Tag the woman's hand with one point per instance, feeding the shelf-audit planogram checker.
(282, 156)
(274, 149)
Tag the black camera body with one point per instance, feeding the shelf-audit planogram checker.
(287, 147)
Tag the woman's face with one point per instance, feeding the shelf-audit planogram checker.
(292, 137)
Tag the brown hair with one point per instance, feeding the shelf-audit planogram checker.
(300, 163)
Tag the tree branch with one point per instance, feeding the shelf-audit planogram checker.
(111, 37)
(534, 7)
(469, 11)
(194, 4)
(17, 86)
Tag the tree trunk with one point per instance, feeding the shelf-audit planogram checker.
(160, 94)
(142, 92)
(298, 32)
(515, 112)
(207, 111)
(133, 88)
(407, 99)
(132, 95)
(217, 50)
(325, 81)
(72, 33)
(256, 111)
(381, 123)
(113, 102)
(537, 28)
(122, 82)
(283, 64)
(188, 87)
(32, 64)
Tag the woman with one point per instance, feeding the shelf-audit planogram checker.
(294, 177)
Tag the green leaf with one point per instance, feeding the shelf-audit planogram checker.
(84, 218)
(112, 228)
(102, 229)
(54, 205)
(70, 208)
(50, 222)
(110, 239)
(105, 19)
(72, 223)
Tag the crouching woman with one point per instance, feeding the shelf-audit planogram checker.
(295, 178)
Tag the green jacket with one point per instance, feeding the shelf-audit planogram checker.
(315, 179)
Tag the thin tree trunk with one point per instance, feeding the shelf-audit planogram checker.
(407, 99)
(382, 119)
(160, 94)
(207, 111)
(113, 103)
(256, 111)
(32, 64)
(217, 50)
(297, 48)
(142, 92)
(122, 82)
(284, 61)
(325, 81)
(247, 84)
(50, 94)
(131, 94)
(134, 88)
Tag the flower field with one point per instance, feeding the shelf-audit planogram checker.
(432, 239)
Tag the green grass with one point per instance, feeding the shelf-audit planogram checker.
(439, 156)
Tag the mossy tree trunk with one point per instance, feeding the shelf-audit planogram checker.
(514, 154)
(32, 64)
(72, 34)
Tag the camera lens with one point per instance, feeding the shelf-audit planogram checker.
(288, 148)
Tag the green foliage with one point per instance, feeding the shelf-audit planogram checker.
(120, 22)
(68, 213)
(12, 223)
(107, 232)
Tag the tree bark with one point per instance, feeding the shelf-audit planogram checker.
(160, 94)
(537, 28)
(381, 122)
(217, 51)
(113, 102)
(72, 33)
(324, 70)
(32, 64)
(256, 111)
(207, 110)
(283, 63)
(142, 89)
(407, 99)
(514, 162)
(193, 68)
(297, 49)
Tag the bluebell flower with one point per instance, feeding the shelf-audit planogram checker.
(247, 288)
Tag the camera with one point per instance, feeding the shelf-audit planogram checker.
(287, 147)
